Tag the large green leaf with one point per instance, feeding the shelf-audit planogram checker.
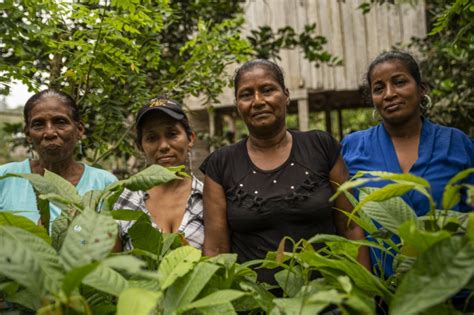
(297, 306)
(332, 238)
(62, 187)
(137, 301)
(356, 272)
(144, 236)
(470, 228)
(176, 264)
(389, 213)
(214, 299)
(29, 260)
(187, 288)
(152, 176)
(91, 199)
(438, 273)
(416, 241)
(25, 298)
(290, 281)
(90, 238)
(26, 224)
(126, 263)
(75, 276)
(405, 178)
(452, 194)
(107, 280)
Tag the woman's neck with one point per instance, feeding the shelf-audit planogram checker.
(410, 129)
(174, 185)
(280, 139)
(70, 170)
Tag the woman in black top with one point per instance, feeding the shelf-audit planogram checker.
(275, 183)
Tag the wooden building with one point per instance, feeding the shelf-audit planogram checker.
(353, 36)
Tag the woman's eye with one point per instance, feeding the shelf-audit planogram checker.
(267, 89)
(377, 89)
(400, 82)
(244, 95)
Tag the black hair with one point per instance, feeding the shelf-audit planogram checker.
(271, 66)
(408, 61)
(139, 130)
(64, 98)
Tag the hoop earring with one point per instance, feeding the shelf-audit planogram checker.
(374, 115)
(426, 103)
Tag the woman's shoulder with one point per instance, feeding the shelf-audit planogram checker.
(15, 167)
(99, 174)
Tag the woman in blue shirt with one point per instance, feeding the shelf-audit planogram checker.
(53, 128)
(405, 141)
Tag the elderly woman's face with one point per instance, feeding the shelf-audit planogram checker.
(52, 131)
(261, 100)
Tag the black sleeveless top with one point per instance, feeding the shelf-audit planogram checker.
(265, 206)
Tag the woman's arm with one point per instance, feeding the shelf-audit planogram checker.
(216, 236)
(337, 176)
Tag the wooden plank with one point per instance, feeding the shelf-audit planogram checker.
(288, 12)
(349, 44)
(313, 17)
(305, 73)
(337, 47)
(372, 35)
(360, 47)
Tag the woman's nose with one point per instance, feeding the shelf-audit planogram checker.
(389, 91)
(164, 146)
(50, 130)
(259, 99)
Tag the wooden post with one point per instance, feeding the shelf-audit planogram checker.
(303, 114)
(327, 114)
(339, 123)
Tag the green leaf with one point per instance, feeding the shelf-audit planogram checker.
(356, 272)
(332, 238)
(389, 213)
(187, 288)
(152, 176)
(29, 260)
(176, 264)
(419, 240)
(470, 228)
(62, 187)
(45, 214)
(91, 199)
(451, 194)
(26, 224)
(126, 263)
(27, 299)
(290, 280)
(437, 274)
(297, 306)
(144, 236)
(137, 301)
(126, 215)
(75, 276)
(216, 298)
(90, 238)
(107, 280)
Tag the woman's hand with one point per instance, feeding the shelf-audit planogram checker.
(337, 176)
(216, 235)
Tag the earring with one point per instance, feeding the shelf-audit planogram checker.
(374, 115)
(190, 161)
(81, 149)
(426, 103)
(31, 152)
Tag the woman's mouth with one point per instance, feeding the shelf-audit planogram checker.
(392, 107)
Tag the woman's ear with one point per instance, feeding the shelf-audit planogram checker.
(27, 135)
(192, 139)
(287, 93)
(82, 129)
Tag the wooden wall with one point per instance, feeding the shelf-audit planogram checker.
(353, 36)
